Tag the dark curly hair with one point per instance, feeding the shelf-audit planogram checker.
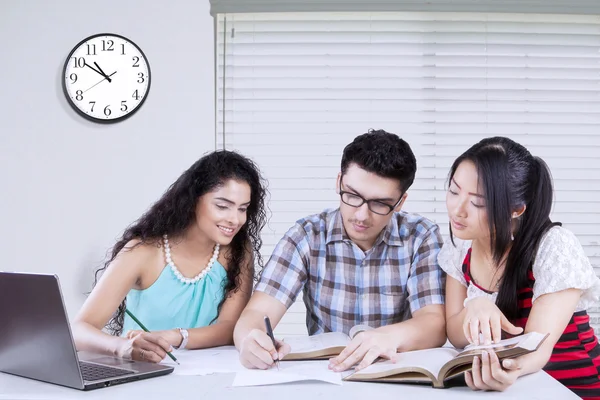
(383, 154)
(175, 211)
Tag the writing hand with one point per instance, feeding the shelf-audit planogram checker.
(106, 78)
(103, 73)
(258, 352)
(172, 336)
(144, 346)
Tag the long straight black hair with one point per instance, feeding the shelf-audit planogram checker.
(510, 178)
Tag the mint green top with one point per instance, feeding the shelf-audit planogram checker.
(169, 303)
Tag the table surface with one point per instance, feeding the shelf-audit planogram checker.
(536, 386)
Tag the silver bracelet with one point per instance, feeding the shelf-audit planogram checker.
(184, 338)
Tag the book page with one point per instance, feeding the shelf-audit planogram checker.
(305, 344)
(527, 341)
(431, 360)
(289, 371)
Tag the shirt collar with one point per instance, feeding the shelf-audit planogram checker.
(335, 228)
(390, 235)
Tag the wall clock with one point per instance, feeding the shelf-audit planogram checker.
(106, 78)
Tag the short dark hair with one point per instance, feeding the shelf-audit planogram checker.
(384, 154)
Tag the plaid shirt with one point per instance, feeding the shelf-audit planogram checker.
(344, 286)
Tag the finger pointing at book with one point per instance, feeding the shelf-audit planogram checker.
(364, 349)
(483, 316)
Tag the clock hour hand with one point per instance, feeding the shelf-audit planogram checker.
(96, 71)
(96, 84)
(103, 73)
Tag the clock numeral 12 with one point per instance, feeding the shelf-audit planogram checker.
(109, 47)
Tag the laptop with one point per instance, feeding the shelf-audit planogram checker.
(36, 340)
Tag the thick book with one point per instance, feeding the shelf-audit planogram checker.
(316, 347)
(437, 366)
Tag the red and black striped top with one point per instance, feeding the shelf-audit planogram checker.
(575, 360)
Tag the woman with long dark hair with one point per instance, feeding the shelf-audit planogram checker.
(185, 268)
(510, 268)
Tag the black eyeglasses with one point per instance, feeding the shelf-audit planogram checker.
(376, 206)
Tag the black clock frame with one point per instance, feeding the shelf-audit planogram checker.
(85, 115)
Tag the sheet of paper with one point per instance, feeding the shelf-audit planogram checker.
(206, 361)
(303, 344)
(289, 371)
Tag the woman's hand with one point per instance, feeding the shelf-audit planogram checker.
(145, 346)
(172, 336)
(489, 374)
(483, 316)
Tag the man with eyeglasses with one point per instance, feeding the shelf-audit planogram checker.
(366, 268)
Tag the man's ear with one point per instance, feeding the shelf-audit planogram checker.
(401, 203)
(337, 182)
(519, 211)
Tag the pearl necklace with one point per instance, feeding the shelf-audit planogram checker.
(178, 274)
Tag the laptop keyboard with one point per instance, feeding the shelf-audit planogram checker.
(96, 372)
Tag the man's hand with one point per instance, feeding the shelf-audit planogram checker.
(364, 349)
(257, 350)
(489, 374)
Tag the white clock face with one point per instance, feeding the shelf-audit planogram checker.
(106, 78)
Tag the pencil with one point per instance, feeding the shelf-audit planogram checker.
(270, 334)
(137, 321)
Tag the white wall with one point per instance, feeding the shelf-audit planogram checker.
(69, 186)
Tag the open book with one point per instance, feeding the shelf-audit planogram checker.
(440, 364)
(324, 345)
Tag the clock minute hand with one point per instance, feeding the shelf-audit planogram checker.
(103, 73)
(94, 69)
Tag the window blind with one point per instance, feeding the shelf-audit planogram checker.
(294, 88)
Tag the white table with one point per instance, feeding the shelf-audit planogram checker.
(218, 386)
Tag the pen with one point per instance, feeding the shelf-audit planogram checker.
(137, 321)
(270, 334)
